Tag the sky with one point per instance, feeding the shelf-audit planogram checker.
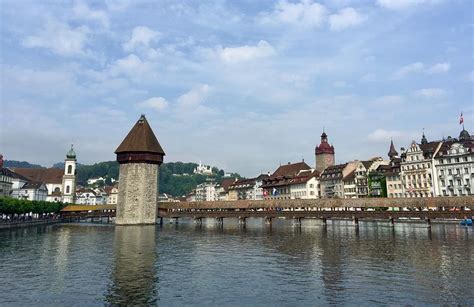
(242, 85)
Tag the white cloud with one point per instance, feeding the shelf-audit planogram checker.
(430, 93)
(346, 18)
(141, 36)
(156, 103)
(403, 4)
(118, 5)
(408, 69)
(194, 97)
(130, 65)
(245, 53)
(60, 38)
(305, 13)
(390, 100)
(439, 68)
(382, 135)
(82, 11)
(419, 67)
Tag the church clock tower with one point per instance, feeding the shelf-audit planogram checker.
(69, 177)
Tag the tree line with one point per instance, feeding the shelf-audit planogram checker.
(11, 206)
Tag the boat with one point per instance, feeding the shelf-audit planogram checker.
(466, 222)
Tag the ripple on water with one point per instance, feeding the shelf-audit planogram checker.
(255, 265)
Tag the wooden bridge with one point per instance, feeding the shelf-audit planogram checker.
(390, 209)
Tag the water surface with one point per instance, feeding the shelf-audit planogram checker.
(185, 264)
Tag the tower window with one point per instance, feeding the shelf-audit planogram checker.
(68, 189)
(69, 169)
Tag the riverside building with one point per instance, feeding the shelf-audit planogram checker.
(454, 166)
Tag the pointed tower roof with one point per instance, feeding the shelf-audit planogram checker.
(392, 153)
(140, 139)
(140, 145)
(423, 138)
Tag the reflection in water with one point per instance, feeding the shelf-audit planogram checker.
(134, 275)
(339, 264)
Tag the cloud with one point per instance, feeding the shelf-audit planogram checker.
(131, 66)
(390, 100)
(305, 13)
(430, 93)
(408, 69)
(245, 53)
(156, 103)
(382, 135)
(346, 18)
(141, 36)
(60, 38)
(194, 97)
(82, 11)
(419, 67)
(438, 68)
(403, 4)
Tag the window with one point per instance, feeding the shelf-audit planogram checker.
(69, 169)
(311, 186)
(68, 189)
(441, 161)
(456, 159)
(465, 159)
(458, 171)
(466, 170)
(450, 172)
(441, 172)
(459, 182)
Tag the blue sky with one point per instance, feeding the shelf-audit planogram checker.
(243, 85)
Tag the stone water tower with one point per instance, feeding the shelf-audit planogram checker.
(139, 155)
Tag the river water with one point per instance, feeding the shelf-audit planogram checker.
(282, 264)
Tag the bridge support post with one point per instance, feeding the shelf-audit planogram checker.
(268, 220)
(297, 221)
(392, 222)
(220, 221)
(325, 221)
(198, 220)
(355, 221)
(428, 220)
(242, 220)
(161, 221)
(176, 220)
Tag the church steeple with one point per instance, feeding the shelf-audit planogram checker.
(423, 138)
(392, 153)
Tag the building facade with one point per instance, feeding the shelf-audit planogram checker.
(417, 171)
(207, 191)
(454, 167)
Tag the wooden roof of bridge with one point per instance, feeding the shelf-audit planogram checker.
(467, 201)
(81, 208)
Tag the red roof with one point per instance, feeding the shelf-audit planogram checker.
(45, 175)
(291, 169)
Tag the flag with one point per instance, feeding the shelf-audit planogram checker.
(265, 193)
(461, 119)
(275, 192)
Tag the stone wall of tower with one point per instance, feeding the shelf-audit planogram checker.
(323, 160)
(138, 194)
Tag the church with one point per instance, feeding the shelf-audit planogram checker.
(49, 184)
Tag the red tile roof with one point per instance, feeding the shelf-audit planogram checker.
(291, 169)
(45, 175)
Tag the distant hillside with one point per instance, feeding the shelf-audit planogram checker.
(21, 164)
(176, 178)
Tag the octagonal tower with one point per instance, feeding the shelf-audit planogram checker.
(139, 155)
